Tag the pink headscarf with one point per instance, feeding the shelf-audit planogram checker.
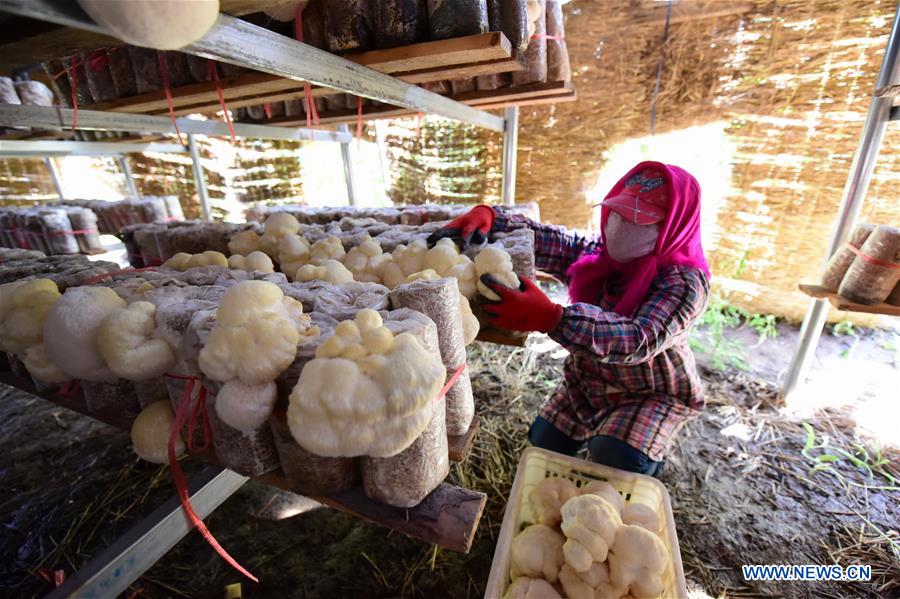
(678, 244)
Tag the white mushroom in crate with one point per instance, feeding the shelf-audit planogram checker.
(537, 552)
(253, 341)
(603, 489)
(367, 392)
(160, 24)
(589, 523)
(531, 588)
(637, 561)
(548, 497)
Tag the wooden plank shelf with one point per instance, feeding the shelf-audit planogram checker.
(490, 334)
(448, 517)
(457, 58)
(819, 292)
(523, 95)
(460, 445)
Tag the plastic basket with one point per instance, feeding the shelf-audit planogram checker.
(537, 464)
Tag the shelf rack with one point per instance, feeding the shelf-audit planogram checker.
(841, 303)
(881, 112)
(449, 516)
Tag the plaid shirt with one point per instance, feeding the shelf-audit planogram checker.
(632, 378)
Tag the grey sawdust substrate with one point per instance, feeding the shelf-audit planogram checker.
(735, 502)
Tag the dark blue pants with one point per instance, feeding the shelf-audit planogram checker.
(604, 449)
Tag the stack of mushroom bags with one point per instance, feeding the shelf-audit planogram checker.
(587, 543)
(323, 370)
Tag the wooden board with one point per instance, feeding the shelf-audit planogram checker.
(492, 335)
(448, 517)
(461, 57)
(525, 95)
(28, 42)
(460, 445)
(819, 292)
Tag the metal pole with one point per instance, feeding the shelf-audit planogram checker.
(851, 204)
(54, 177)
(129, 177)
(349, 173)
(199, 177)
(123, 562)
(510, 146)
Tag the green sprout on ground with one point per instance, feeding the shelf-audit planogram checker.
(825, 457)
(721, 316)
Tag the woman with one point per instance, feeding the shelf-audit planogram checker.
(630, 381)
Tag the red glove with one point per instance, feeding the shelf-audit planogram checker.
(524, 309)
(471, 227)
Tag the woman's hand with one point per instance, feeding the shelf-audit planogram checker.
(524, 309)
(470, 228)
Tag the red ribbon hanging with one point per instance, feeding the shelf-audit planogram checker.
(871, 259)
(181, 416)
(267, 108)
(359, 122)
(72, 65)
(457, 372)
(69, 388)
(214, 75)
(312, 113)
(164, 72)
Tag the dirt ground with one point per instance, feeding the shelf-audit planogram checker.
(749, 484)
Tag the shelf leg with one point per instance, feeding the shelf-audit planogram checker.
(199, 177)
(123, 562)
(129, 177)
(510, 146)
(349, 172)
(851, 204)
(54, 176)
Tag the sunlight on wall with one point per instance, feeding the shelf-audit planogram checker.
(323, 174)
(704, 151)
(86, 177)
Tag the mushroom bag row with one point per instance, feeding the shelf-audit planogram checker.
(366, 393)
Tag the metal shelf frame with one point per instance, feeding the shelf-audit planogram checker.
(879, 115)
(241, 43)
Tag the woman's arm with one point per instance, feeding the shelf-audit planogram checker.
(555, 249)
(677, 298)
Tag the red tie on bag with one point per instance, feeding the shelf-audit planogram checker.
(214, 75)
(164, 72)
(183, 414)
(312, 113)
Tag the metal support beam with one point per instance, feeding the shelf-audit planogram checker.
(54, 177)
(241, 43)
(129, 177)
(851, 204)
(510, 147)
(46, 147)
(49, 117)
(116, 568)
(199, 177)
(349, 172)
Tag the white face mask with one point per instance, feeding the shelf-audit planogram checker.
(626, 241)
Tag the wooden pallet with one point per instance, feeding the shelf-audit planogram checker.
(457, 58)
(819, 292)
(448, 517)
